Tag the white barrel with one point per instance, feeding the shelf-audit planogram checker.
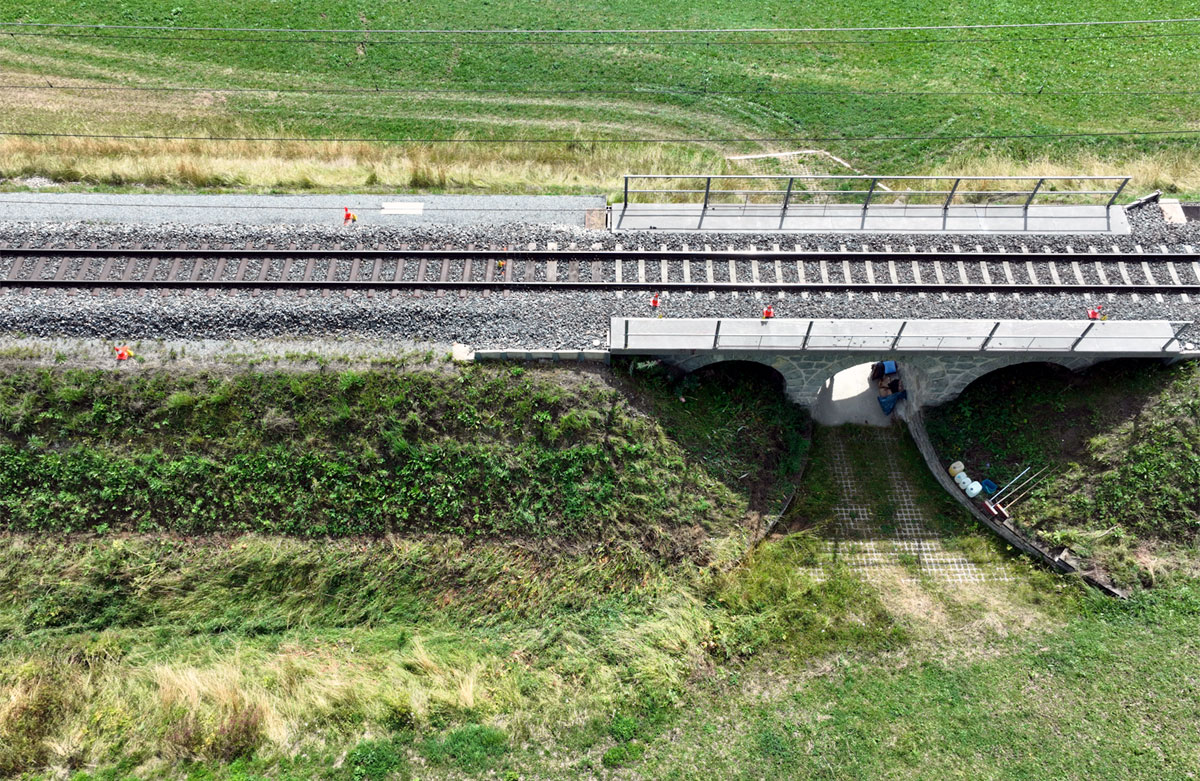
(974, 489)
(961, 480)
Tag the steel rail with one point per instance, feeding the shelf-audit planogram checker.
(590, 255)
(450, 284)
(178, 277)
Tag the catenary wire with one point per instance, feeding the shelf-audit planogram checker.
(488, 89)
(516, 31)
(698, 140)
(360, 40)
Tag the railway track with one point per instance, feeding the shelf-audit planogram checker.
(498, 269)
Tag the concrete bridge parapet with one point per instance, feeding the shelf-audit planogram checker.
(939, 361)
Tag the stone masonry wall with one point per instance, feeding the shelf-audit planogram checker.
(931, 378)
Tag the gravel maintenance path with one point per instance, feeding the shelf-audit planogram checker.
(149, 211)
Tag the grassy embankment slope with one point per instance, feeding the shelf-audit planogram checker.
(547, 547)
(1123, 445)
(565, 646)
(813, 89)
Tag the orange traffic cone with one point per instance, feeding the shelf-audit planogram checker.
(123, 353)
(768, 312)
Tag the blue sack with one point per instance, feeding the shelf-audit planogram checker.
(888, 403)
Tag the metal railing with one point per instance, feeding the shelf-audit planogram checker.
(782, 192)
(656, 335)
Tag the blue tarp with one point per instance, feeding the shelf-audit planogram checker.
(889, 367)
(888, 403)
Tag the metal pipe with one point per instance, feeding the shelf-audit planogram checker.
(950, 195)
(1034, 476)
(1032, 194)
(988, 338)
(1087, 330)
(870, 192)
(1029, 490)
(1175, 338)
(1010, 482)
(1113, 199)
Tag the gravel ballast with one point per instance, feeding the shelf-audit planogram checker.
(531, 320)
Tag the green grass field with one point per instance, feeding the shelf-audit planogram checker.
(505, 637)
(658, 86)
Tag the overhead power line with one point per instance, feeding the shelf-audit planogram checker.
(517, 31)
(361, 40)
(728, 140)
(489, 89)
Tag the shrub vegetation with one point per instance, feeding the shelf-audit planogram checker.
(1121, 445)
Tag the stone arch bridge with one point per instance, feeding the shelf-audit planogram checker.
(939, 358)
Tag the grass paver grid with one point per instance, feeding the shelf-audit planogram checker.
(866, 541)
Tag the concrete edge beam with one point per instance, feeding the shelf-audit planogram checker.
(599, 356)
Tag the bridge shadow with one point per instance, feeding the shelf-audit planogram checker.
(733, 421)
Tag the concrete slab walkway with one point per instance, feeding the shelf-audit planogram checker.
(851, 218)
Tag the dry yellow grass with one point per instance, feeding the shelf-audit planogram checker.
(337, 166)
(1175, 170)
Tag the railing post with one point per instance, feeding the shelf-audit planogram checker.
(704, 207)
(625, 203)
(1090, 326)
(1113, 199)
(1175, 338)
(787, 197)
(896, 341)
(1033, 193)
(717, 335)
(988, 338)
(807, 331)
(870, 192)
(950, 197)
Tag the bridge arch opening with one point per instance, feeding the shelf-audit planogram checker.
(851, 396)
(732, 372)
(1015, 376)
